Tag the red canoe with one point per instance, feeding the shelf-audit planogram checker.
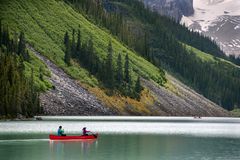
(54, 137)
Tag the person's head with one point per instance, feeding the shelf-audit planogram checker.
(84, 128)
(60, 127)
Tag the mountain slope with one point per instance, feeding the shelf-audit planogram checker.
(45, 22)
(162, 39)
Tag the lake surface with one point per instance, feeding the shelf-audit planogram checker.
(123, 138)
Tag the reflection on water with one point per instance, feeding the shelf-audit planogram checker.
(125, 147)
(59, 149)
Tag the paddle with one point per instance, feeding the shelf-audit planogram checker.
(93, 134)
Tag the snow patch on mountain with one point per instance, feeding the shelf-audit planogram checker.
(218, 19)
(206, 11)
(186, 21)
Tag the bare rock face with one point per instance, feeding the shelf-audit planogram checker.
(171, 8)
(185, 102)
(68, 97)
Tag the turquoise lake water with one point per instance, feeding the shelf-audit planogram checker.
(123, 138)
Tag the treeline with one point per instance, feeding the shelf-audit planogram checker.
(115, 21)
(160, 40)
(235, 59)
(95, 11)
(113, 78)
(17, 93)
(215, 80)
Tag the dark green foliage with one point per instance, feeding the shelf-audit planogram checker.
(90, 55)
(66, 38)
(67, 56)
(138, 88)
(79, 45)
(126, 70)
(41, 74)
(113, 79)
(6, 38)
(0, 31)
(109, 67)
(22, 47)
(17, 93)
(160, 40)
(73, 44)
(119, 78)
(234, 59)
(127, 77)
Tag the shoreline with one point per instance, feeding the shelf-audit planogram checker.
(120, 118)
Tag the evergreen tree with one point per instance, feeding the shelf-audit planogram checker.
(73, 44)
(126, 70)
(5, 37)
(67, 56)
(41, 73)
(127, 77)
(30, 95)
(21, 67)
(21, 44)
(138, 89)
(66, 38)
(17, 94)
(15, 43)
(109, 67)
(78, 47)
(119, 70)
(90, 55)
(26, 55)
(0, 32)
(22, 47)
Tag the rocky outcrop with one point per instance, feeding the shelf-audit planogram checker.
(183, 102)
(67, 97)
(172, 8)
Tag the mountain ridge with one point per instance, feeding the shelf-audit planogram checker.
(172, 8)
(44, 32)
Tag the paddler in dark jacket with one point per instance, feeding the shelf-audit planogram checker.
(84, 130)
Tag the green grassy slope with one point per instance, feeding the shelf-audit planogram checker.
(36, 64)
(208, 57)
(236, 112)
(45, 22)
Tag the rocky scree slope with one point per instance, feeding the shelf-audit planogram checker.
(67, 97)
(182, 101)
